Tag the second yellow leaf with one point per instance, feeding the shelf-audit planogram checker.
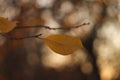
(63, 44)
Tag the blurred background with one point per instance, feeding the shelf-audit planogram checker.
(31, 59)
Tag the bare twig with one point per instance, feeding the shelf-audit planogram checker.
(21, 38)
(47, 27)
(38, 35)
(26, 37)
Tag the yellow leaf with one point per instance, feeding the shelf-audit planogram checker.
(63, 44)
(6, 26)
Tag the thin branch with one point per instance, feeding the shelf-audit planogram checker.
(21, 38)
(47, 27)
(38, 35)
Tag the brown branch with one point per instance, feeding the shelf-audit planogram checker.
(26, 37)
(21, 38)
(47, 27)
(38, 35)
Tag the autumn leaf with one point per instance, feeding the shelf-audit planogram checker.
(63, 44)
(6, 25)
